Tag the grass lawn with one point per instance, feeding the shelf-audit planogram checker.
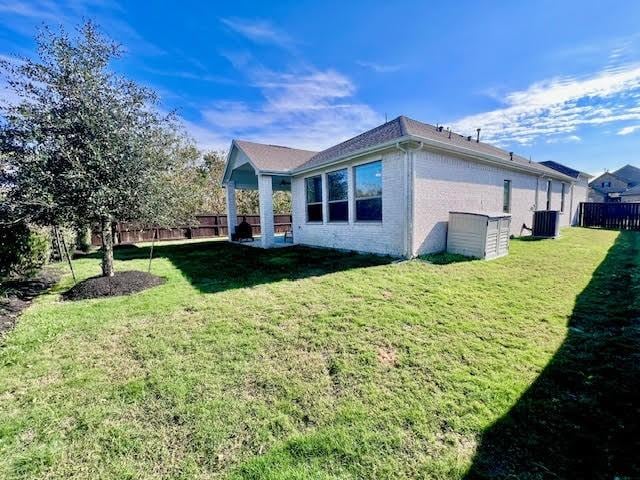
(303, 363)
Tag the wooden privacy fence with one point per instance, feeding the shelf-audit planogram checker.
(615, 216)
(208, 226)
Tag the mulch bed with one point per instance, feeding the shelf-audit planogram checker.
(122, 283)
(16, 295)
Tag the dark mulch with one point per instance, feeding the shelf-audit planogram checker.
(17, 294)
(122, 283)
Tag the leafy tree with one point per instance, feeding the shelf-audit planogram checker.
(85, 145)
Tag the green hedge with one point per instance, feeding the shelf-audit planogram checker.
(23, 249)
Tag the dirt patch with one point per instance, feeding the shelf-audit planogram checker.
(387, 356)
(16, 295)
(122, 283)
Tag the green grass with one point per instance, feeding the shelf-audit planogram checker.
(302, 363)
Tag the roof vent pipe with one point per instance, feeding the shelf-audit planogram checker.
(478, 137)
(440, 128)
(469, 138)
(449, 129)
(511, 156)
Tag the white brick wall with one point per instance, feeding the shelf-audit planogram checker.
(444, 183)
(386, 237)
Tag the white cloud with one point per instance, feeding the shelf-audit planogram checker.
(559, 106)
(628, 130)
(312, 109)
(380, 67)
(259, 31)
(565, 139)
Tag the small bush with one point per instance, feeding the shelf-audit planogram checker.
(83, 238)
(23, 249)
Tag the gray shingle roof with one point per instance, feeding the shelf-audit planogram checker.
(632, 191)
(561, 168)
(430, 132)
(382, 134)
(274, 157)
(277, 158)
(629, 173)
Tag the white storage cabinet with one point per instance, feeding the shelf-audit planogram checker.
(478, 234)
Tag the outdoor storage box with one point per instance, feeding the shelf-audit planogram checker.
(478, 234)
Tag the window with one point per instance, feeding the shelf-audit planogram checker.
(337, 185)
(506, 197)
(562, 197)
(314, 199)
(549, 195)
(368, 191)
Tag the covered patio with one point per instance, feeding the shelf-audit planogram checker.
(265, 168)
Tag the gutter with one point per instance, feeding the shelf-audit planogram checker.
(492, 159)
(357, 153)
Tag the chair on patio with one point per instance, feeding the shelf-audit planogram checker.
(288, 236)
(243, 231)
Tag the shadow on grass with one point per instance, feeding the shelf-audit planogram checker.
(581, 417)
(216, 266)
(530, 238)
(444, 258)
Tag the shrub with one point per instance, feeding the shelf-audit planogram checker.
(23, 249)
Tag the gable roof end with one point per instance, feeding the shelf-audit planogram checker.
(629, 173)
(273, 158)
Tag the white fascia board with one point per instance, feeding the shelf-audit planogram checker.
(226, 166)
(350, 156)
(487, 158)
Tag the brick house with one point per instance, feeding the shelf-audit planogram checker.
(618, 186)
(390, 189)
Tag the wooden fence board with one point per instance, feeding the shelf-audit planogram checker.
(613, 216)
(209, 226)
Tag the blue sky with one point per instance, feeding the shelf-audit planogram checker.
(554, 80)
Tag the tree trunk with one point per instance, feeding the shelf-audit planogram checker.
(107, 248)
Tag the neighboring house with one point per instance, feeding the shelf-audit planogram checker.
(390, 189)
(610, 186)
(631, 195)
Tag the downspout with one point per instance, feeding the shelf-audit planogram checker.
(407, 210)
(409, 189)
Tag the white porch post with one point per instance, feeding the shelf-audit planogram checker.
(265, 189)
(232, 216)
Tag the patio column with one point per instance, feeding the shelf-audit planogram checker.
(232, 216)
(265, 189)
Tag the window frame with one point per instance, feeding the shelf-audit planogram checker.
(344, 200)
(562, 197)
(307, 203)
(355, 193)
(549, 190)
(506, 188)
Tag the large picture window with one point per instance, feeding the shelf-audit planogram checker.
(368, 191)
(337, 185)
(314, 199)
